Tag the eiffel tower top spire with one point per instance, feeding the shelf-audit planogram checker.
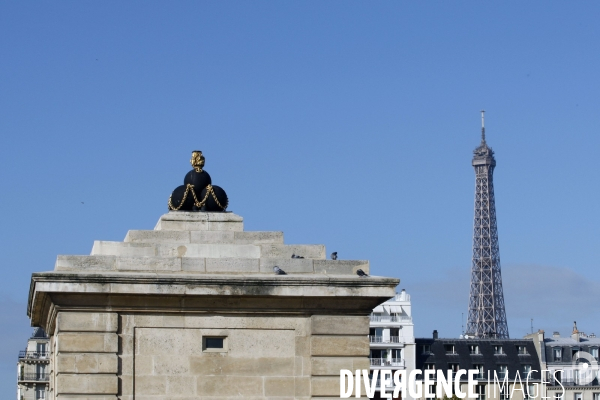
(482, 126)
(483, 154)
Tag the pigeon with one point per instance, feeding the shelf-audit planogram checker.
(361, 273)
(293, 255)
(334, 255)
(278, 271)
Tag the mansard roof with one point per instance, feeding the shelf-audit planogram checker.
(491, 362)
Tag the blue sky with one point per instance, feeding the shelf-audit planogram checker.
(345, 123)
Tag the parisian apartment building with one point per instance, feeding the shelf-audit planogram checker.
(564, 356)
(33, 367)
(391, 336)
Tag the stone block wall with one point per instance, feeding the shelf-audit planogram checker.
(131, 320)
(85, 355)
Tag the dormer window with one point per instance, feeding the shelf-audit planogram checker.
(449, 349)
(498, 350)
(474, 349)
(479, 368)
(557, 352)
(522, 350)
(594, 352)
(426, 348)
(502, 371)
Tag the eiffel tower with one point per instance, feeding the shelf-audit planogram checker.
(487, 318)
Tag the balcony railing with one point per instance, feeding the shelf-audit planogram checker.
(385, 362)
(573, 382)
(390, 318)
(33, 354)
(34, 377)
(390, 339)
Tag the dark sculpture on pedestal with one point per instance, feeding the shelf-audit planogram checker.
(197, 192)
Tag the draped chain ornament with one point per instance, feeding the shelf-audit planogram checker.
(198, 204)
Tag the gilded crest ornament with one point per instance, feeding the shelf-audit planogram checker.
(197, 192)
(197, 160)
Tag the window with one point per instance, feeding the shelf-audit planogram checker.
(376, 335)
(558, 396)
(594, 352)
(40, 371)
(526, 370)
(426, 348)
(596, 396)
(558, 374)
(432, 366)
(479, 367)
(522, 350)
(449, 349)
(474, 349)
(532, 392)
(40, 393)
(41, 349)
(431, 390)
(498, 350)
(557, 351)
(502, 369)
(505, 393)
(396, 356)
(214, 344)
(576, 376)
(454, 367)
(480, 392)
(577, 396)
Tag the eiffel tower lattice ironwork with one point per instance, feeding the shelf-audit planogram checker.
(487, 317)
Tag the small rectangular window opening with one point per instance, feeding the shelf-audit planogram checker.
(214, 343)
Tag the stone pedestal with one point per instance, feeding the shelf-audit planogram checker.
(192, 309)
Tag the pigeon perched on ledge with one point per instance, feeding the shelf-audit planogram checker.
(361, 273)
(295, 256)
(278, 271)
(334, 255)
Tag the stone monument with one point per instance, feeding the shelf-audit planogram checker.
(194, 310)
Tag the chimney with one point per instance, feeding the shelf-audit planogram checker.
(575, 333)
(555, 335)
(435, 334)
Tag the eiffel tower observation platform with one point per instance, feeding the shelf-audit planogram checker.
(194, 308)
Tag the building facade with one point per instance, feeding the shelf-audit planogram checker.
(572, 364)
(33, 367)
(196, 309)
(391, 335)
(510, 360)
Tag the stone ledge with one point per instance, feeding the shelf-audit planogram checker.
(313, 251)
(201, 216)
(199, 221)
(181, 291)
(134, 236)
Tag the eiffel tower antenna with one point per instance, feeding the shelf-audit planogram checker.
(482, 126)
(486, 317)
